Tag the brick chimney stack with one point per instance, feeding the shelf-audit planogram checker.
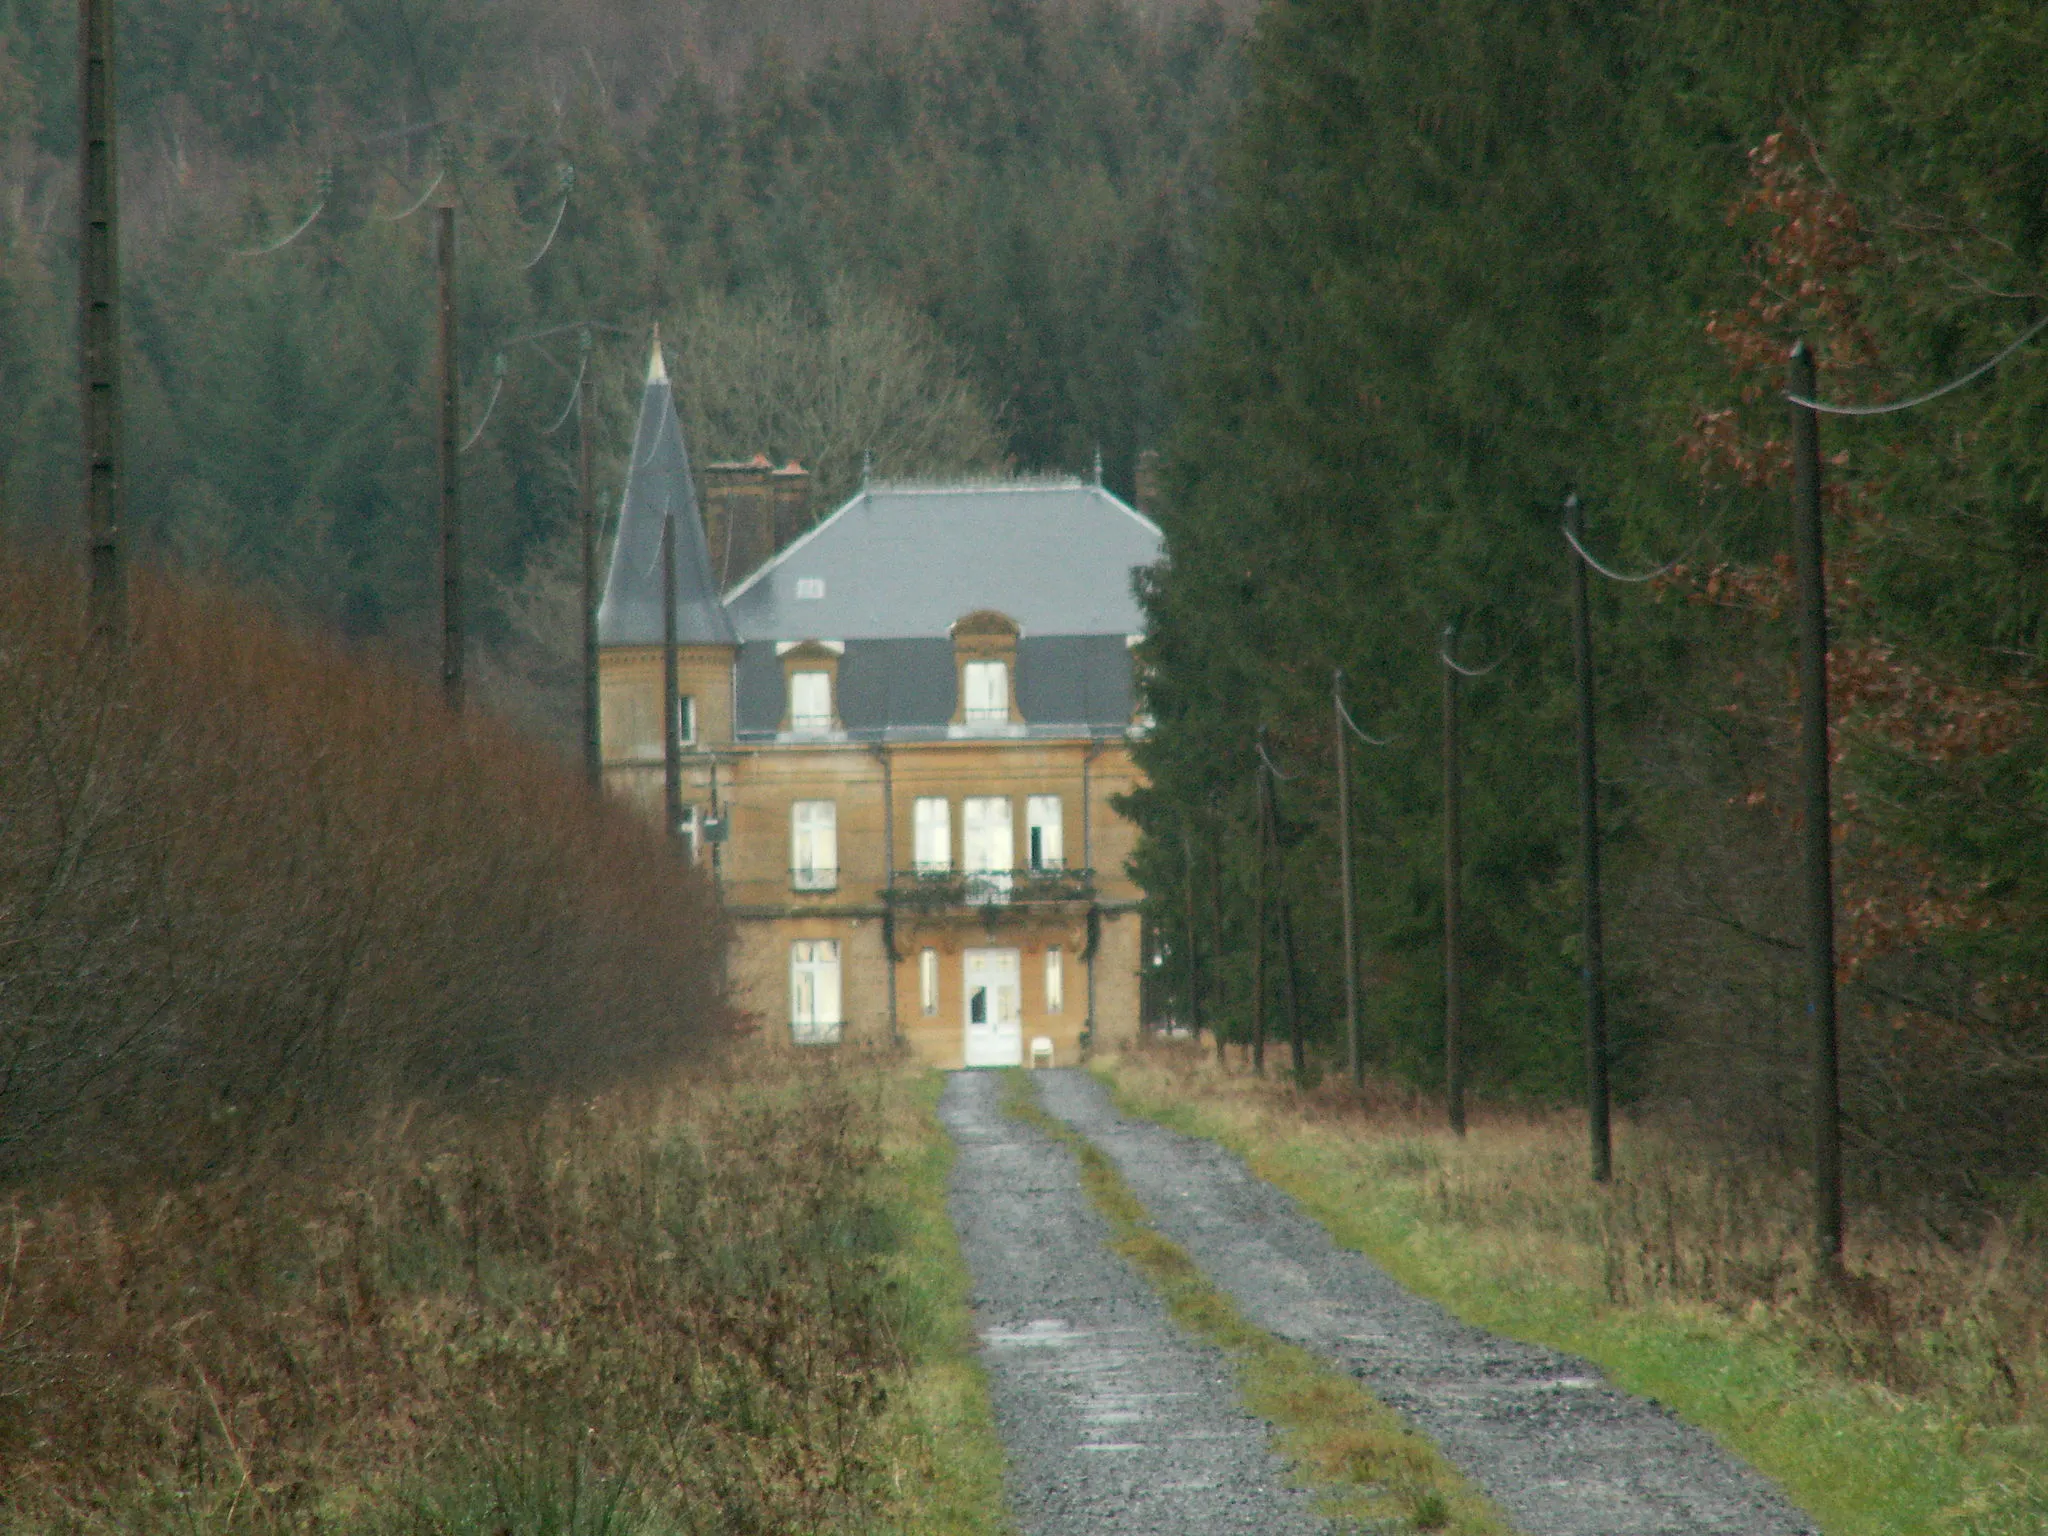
(751, 510)
(1147, 488)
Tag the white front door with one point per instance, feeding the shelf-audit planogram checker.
(995, 1008)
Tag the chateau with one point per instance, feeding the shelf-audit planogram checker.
(900, 735)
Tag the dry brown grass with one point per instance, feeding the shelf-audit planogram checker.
(1961, 1324)
(669, 1308)
(252, 889)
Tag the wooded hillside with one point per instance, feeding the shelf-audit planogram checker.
(1004, 195)
(1479, 255)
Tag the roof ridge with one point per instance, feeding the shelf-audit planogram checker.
(916, 487)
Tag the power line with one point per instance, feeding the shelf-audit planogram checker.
(1613, 575)
(1271, 766)
(1370, 741)
(418, 203)
(497, 389)
(1444, 654)
(568, 182)
(326, 182)
(1971, 377)
(575, 394)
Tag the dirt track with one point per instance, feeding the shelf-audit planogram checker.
(1113, 1419)
(1562, 1452)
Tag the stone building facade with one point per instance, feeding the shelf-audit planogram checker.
(900, 737)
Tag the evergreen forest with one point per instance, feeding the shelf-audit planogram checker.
(1472, 258)
(946, 236)
(1383, 282)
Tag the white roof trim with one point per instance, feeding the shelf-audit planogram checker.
(795, 545)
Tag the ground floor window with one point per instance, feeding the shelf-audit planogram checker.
(814, 1016)
(1055, 981)
(928, 981)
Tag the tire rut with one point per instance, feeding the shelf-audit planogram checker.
(1114, 1420)
(1540, 1432)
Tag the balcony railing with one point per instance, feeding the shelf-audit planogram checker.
(933, 890)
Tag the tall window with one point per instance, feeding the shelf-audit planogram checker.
(1043, 844)
(987, 850)
(1055, 981)
(814, 992)
(934, 846)
(814, 845)
(810, 701)
(686, 719)
(928, 981)
(988, 692)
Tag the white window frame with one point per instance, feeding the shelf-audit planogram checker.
(816, 1014)
(988, 846)
(985, 692)
(932, 834)
(814, 845)
(1055, 980)
(1044, 835)
(928, 981)
(810, 700)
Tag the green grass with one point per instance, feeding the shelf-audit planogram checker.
(948, 1460)
(1371, 1471)
(1859, 1460)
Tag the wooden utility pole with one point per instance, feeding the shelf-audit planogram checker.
(586, 512)
(1817, 835)
(99, 321)
(1592, 960)
(671, 730)
(1194, 978)
(1354, 1042)
(450, 462)
(1216, 935)
(1290, 975)
(1259, 917)
(1454, 876)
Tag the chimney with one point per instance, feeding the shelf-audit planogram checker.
(739, 517)
(1146, 488)
(790, 491)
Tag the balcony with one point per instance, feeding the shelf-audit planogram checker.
(924, 890)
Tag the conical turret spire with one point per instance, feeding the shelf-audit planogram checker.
(658, 482)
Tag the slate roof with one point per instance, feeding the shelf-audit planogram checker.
(904, 562)
(905, 689)
(657, 481)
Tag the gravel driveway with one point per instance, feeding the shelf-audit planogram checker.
(1562, 1452)
(1114, 1420)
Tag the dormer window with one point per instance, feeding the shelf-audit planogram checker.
(985, 654)
(810, 687)
(987, 685)
(810, 701)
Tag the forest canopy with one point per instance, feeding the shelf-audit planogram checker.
(1476, 256)
(993, 203)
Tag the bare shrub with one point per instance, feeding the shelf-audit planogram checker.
(670, 1304)
(249, 885)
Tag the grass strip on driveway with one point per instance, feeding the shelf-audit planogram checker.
(946, 1460)
(1860, 1460)
(1372, 1472)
